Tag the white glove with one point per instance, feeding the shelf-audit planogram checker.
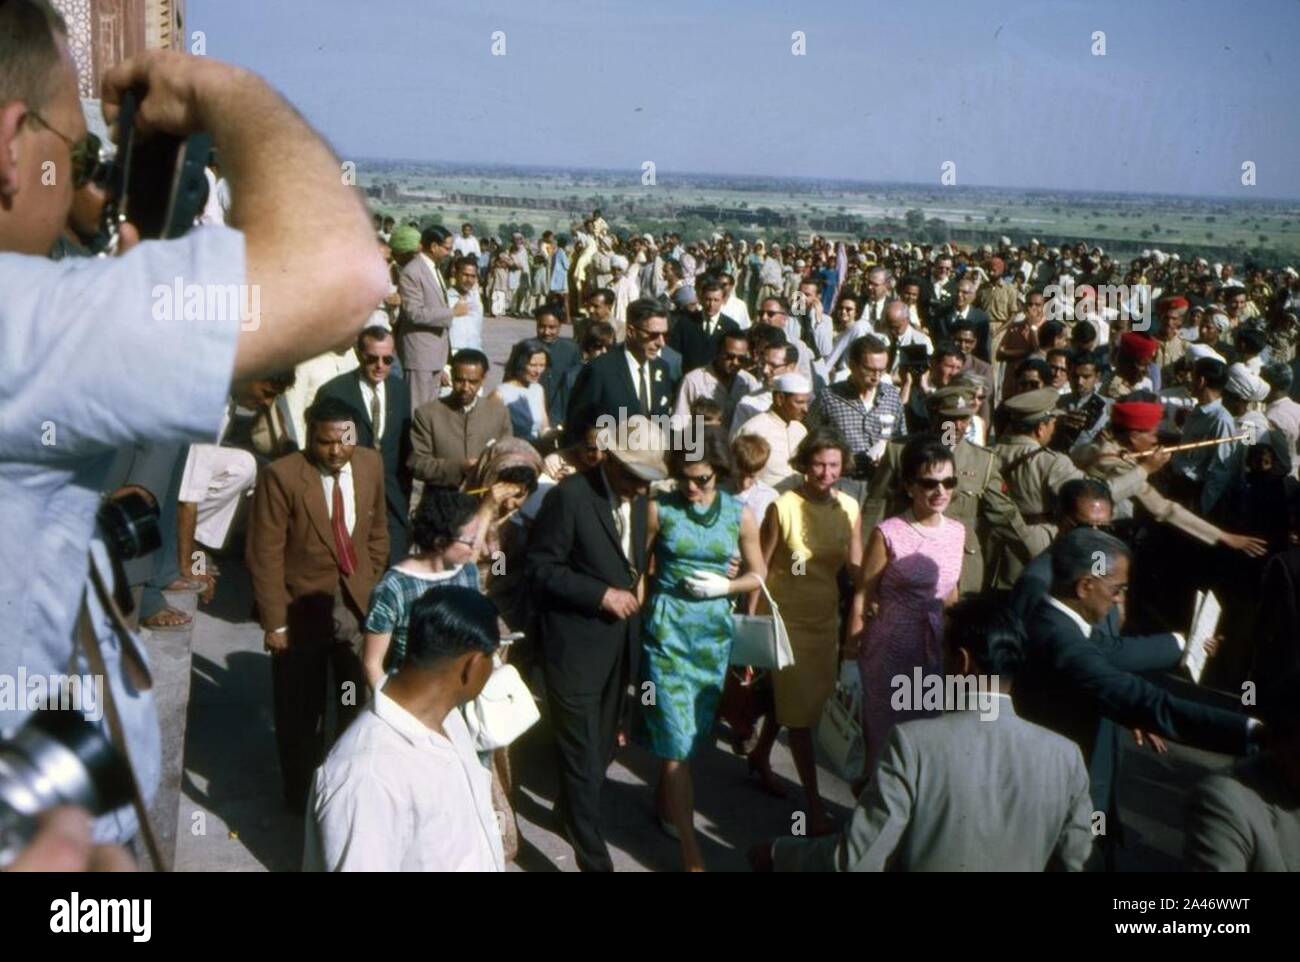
(706, 584)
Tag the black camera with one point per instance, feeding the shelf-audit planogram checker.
(155, 181)
(56, 758)
(130, 526)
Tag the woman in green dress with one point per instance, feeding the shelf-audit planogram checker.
(692, 535)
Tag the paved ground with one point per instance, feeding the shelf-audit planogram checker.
(230, 816)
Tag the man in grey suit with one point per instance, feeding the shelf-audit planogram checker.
(425, 317)
(1247, 819)
(976, 789)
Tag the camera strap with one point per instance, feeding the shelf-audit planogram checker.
(89, 641)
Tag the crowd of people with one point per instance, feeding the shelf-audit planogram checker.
(1014, 461)
(888, 444)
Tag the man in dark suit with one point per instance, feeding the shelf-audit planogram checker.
(698, 325)
(586, 555)
(563, 354)
(943, 326)
(630, 379)
(376, 394)
(937, 291)
(317, 544)
(1071, 685)
(965, 335)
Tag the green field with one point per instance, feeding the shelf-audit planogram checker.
(1265, 231)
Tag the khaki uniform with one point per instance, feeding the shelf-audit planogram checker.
(1108, 459)
(1034, 476)
(1000, 301)
(980, 503)
(1169, 352)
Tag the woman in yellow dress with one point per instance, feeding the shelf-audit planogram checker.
(809, 535)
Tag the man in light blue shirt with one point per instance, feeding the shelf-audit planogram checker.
(1208, 469)
(100, 354)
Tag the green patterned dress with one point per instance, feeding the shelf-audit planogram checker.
(686, 640)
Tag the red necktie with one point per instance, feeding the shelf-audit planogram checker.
(342, 540)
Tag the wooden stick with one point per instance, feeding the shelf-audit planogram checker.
(1191, 445)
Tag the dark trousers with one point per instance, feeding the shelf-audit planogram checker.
(584, 725)
(324, 636)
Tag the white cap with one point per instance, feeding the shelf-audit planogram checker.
(1197, 351)
(1004, 240)
(1244, 384)
(792, 384)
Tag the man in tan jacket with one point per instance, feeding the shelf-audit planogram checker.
(449, 435)
(317, 543)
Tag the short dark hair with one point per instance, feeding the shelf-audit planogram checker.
(468, 355)
(1075, 555)
(330, 410)
(986, 626)
(1215, 372)
(605, 295)
(465, 260)
(706, 407)
(1078, 490)
(864, 346)
(642, 309)
(1250, 340)
(1035, 364)
(549, 310)
(435, 234)
(1050, 331)
(521, 354)
(708, 282)
(373, 332)
(946, 349)
(597, 335)
(920, 452)
(714, 452)
(819, 439)
(732, 336)
(29, 52)
(449, 621)
(1084, 332)
(781, 302)
(439, 517)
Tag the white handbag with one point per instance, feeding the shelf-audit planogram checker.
(839, 730)
(761, 641)
(503, 711)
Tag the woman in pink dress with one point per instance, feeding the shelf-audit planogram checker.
(909, 576)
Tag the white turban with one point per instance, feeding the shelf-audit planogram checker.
(792, 384)
(1245, 385)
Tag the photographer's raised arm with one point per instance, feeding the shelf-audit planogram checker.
(309, 244)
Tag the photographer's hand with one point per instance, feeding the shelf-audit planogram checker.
(64, 844)
(285, 183)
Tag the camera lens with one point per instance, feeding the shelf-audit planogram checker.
(57, 758)
(130, 526)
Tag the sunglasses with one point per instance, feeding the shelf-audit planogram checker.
(771, 313)
(932, 484)
(650, 335)
(384, 359)
(702, 481)
(85, 153)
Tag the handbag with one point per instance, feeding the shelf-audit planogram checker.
(761, 641)
(503, 711)
(839, 730)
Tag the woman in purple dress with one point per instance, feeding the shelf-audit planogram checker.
(909, 576)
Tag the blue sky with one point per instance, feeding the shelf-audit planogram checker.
(1008, 91)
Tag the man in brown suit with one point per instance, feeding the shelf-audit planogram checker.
(448, 435)
(425, 318)
(317, 543)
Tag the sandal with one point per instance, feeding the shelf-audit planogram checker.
(165, 619)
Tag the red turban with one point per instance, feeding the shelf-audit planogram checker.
(1139, 347)
(1137, 415)
(1175, 303)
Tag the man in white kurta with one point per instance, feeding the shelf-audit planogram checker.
(781, 426)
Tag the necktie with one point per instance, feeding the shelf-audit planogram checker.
(342, 540)
(645, 387)
(376, 410)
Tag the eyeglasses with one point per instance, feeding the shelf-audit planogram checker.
(932, 484)
(384, 359)
(771, 313)
(729, 356)
(468, 542)
(84, 152)
(700, 481)
(650, 335)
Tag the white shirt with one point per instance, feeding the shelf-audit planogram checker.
(349, 495)
(367, 395)
(738, 311)
(782, 437)
(704, 382)
(466, 331)
(395, 796)
(838, 356)
(466, 245)
(622, 509)
(747, 408)
(309, 377)
(1073, 615)
(636, 370)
